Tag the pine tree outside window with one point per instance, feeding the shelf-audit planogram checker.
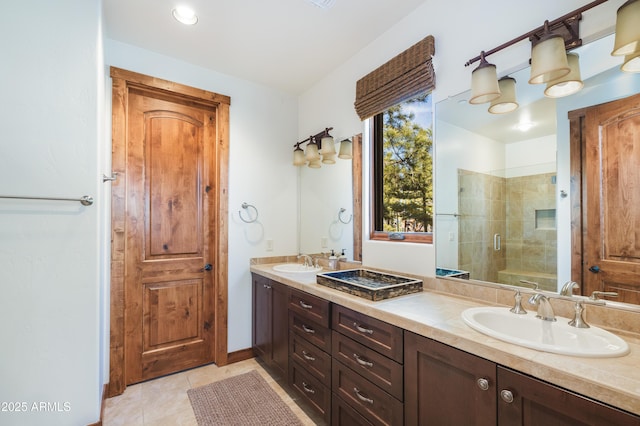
(402, 172)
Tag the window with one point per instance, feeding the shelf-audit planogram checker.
(402, 171)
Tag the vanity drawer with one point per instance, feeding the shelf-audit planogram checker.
(342, 414)
(311, 390)
(310, 307)
(373, 333)
(377, 368)
(373, 403)
(311, 358)
(313, 332)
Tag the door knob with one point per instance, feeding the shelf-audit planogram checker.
(595, 269)
(207, 267)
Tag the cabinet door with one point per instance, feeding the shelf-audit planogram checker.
(525, 400)
(446, 386)
(280, 328)
(261, 322)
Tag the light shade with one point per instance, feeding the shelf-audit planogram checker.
(507, 100)
(298, 157)
(327, 146)
(315, 164)
(311, 153)
(329, 158)
(345, 150)
(627, 29)
(484, 83)
(569, 84)
(631, 63)
(548, 58)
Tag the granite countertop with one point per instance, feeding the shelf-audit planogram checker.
(615, 381)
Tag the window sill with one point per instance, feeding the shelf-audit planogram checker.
(409, 237)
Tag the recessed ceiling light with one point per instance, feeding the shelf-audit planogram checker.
(185, 15)
(323, 4)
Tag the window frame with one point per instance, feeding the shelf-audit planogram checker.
(376, 145)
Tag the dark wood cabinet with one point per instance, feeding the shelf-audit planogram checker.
(446, 386)
(270, 331)
(310, 351)
(367, 371)
(524, 400)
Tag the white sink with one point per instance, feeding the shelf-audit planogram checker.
(557, 337)
(297, 268)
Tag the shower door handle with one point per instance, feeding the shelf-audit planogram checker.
(496, 242)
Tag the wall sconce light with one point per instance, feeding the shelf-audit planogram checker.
(627, 40)
(320, 150)
(548, 58)
(507, 100)
(569, 84)
(484, 83)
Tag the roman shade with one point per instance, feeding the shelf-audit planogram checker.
(408, 75)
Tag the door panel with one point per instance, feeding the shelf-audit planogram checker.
(169, 295)
(612, 243)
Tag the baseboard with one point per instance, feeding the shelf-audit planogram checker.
(105, 390)
(240, 355)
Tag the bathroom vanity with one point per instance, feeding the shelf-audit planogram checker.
(412, 360)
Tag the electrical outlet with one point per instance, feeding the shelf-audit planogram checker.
(324, 242)
(269, 245)
(451, 236)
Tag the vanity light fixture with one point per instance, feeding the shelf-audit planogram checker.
(484, 83)
(548, 58)
(550, 62)
(627, 40)
(569, 84)
(320, 150)
(185, 15)
(507, 100)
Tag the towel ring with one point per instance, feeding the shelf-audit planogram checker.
(342, 210)
(246, 207)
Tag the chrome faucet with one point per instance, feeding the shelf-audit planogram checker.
(545, 310)
(308, 261)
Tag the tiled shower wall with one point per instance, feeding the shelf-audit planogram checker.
(522, 211)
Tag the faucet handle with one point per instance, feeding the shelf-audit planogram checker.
(578, 320)
(567, 288)
(517, 307)
(596, 294)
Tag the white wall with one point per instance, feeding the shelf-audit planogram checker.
(474, 29)
(263, 128)
(50, 308)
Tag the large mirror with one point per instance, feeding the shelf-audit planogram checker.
(328, 210)
(503, 190)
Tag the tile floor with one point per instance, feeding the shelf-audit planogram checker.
(164, 401)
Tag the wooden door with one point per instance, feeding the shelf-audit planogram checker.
(168, 281)
(611, 252)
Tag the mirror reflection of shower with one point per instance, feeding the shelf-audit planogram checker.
(507, 225)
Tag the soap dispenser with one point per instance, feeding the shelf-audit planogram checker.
(333, 261)
(343, 257)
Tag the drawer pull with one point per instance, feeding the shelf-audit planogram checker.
(307, 389)
(308, 329)
(305, 305)
(483, 383)
(266, 286)
(362, 361)
(307, 356)
(507, 396)
(362, 329)
(362, 397)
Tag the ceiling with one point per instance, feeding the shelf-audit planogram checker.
(284, 44)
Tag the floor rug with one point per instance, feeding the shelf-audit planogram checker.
(246, 399)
